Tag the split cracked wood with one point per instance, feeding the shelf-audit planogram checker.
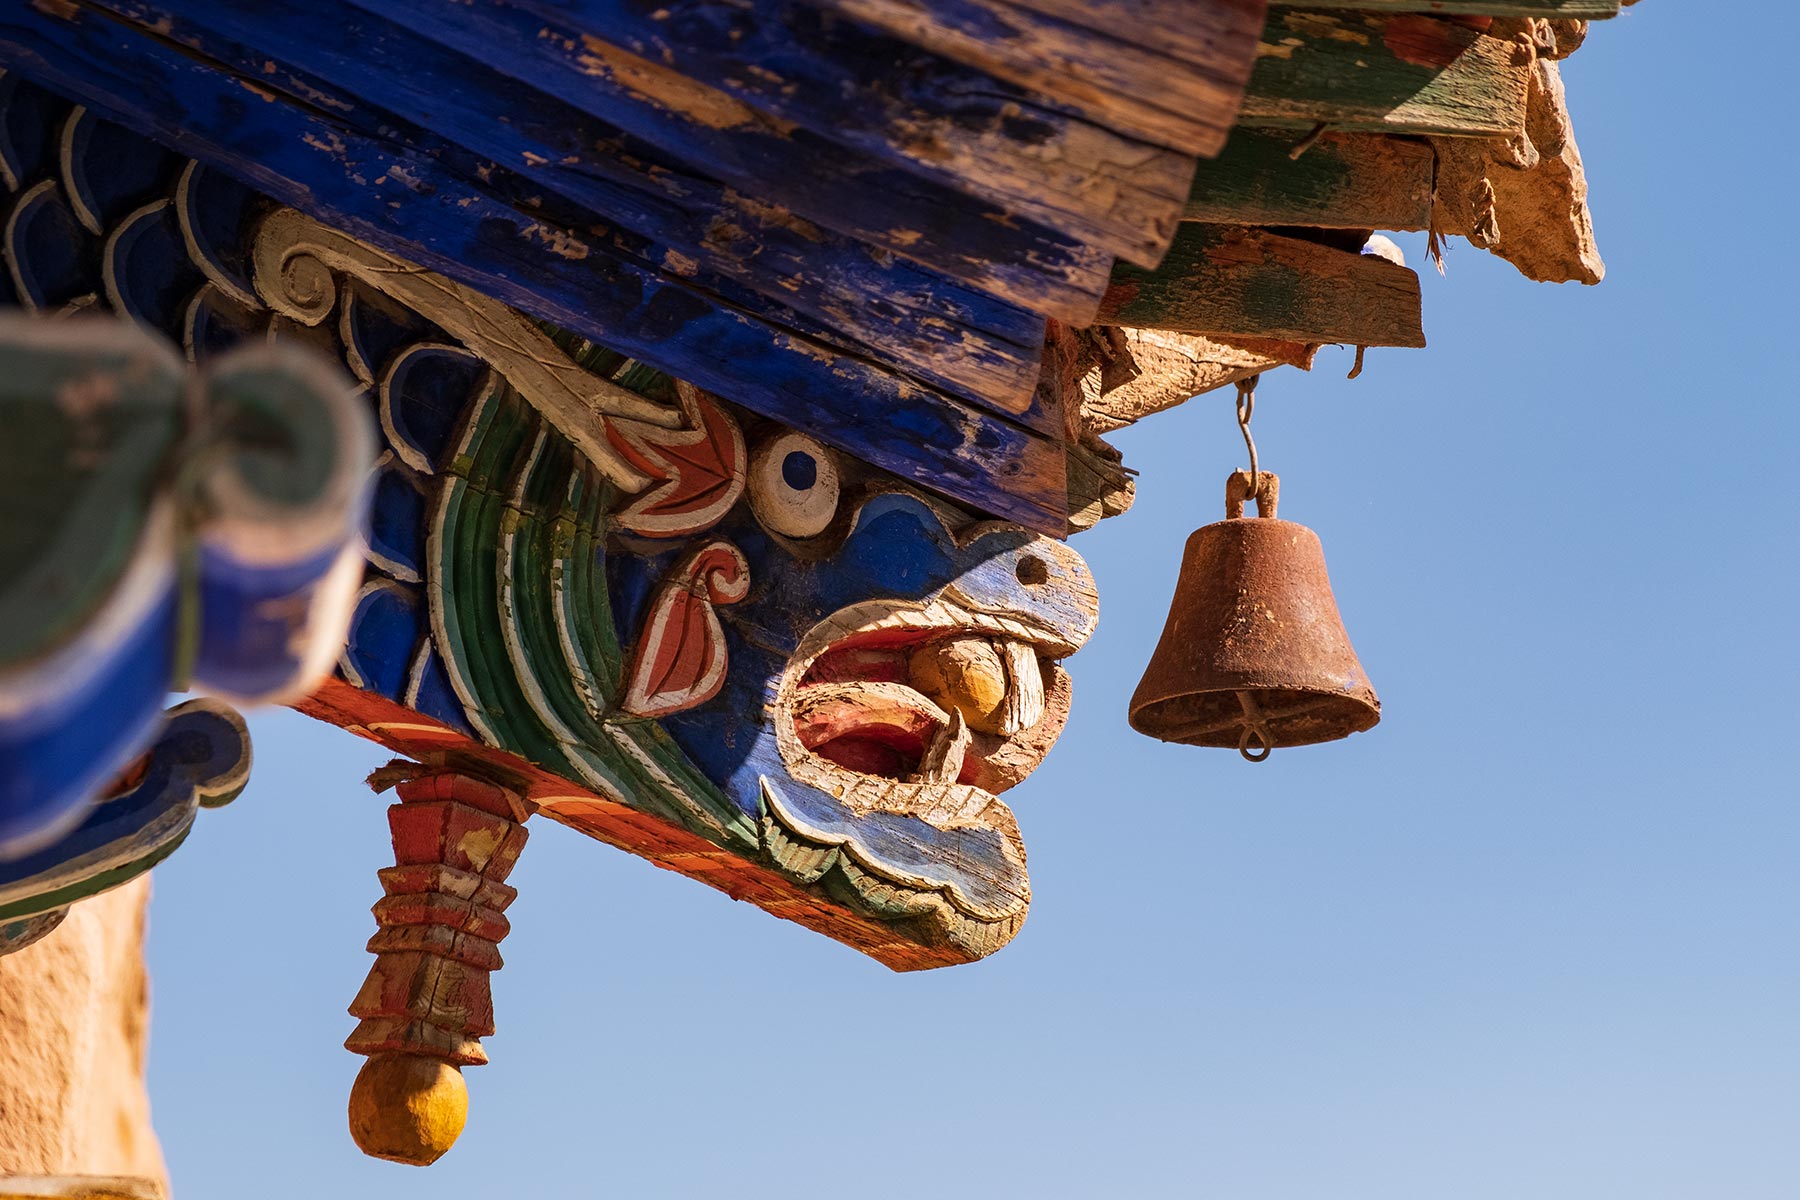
(378, 76)
(1524, 199)
(1256, 283)
(1166, 71)
(403, 204)
(975, 241)
(877, 95)
(1172, 369)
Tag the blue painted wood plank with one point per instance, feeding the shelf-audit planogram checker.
(981, 243)
(890, 99)
(936, 328)
(1168, 71)
(409, 206)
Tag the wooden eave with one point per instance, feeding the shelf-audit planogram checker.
(852, 216)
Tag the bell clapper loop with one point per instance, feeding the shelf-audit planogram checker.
(1254, 728)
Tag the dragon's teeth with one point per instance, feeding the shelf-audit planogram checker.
(943, 758)
(1024, 687)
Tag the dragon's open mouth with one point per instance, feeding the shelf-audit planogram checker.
(925, 695)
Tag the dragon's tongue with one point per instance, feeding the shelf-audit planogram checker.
(890, 713)
(860, 664)
(942, 761)
(911, 711)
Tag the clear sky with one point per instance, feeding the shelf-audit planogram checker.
(1533, 938)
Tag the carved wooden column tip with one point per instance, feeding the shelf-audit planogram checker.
(426, 1005)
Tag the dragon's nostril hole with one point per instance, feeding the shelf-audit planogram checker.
(1033, 571)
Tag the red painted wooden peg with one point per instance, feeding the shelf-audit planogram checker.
(426, 1005)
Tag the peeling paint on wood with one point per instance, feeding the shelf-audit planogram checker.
(1342, 181)
(978, 242)
(881, 96)
(797, 375)
(1252, 282)
(929, 325)
(1398, 74)
(1167, 71)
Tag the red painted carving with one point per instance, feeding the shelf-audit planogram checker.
(701, 468)
(455, 841)
(680, 657)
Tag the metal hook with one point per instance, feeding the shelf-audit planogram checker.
(1246, 408)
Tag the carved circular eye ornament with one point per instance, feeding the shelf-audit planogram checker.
(794, 485)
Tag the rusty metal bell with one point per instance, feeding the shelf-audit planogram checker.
(1254, 654)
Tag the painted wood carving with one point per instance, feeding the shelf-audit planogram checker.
(629, 605)
(660, 418)
(636, 590)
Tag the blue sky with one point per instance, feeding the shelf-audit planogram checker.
(1532, 937)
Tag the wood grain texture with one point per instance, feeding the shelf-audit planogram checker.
(1169, 72)
(440, 920)
(981, 243)
(1173, 368)
(378, 76)
(1225, 280)
(877, 95)
(582, 281)
(1342, 181)
(1396, 73)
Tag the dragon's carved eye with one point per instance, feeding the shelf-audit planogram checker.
(794, 485)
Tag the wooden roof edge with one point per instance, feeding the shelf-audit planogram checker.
(1524, 198)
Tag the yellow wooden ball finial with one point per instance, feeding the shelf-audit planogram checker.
(408, 1108)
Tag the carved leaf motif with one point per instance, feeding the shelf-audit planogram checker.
(702, 468)
(680, 659)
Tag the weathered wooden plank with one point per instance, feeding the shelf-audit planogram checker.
(777, 163)
(908, 107)
(931, 326)
(1219, 279)
(404, 204)
(1398, 74)
(1166, 71)
(1342, 181)
(1590, 9)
